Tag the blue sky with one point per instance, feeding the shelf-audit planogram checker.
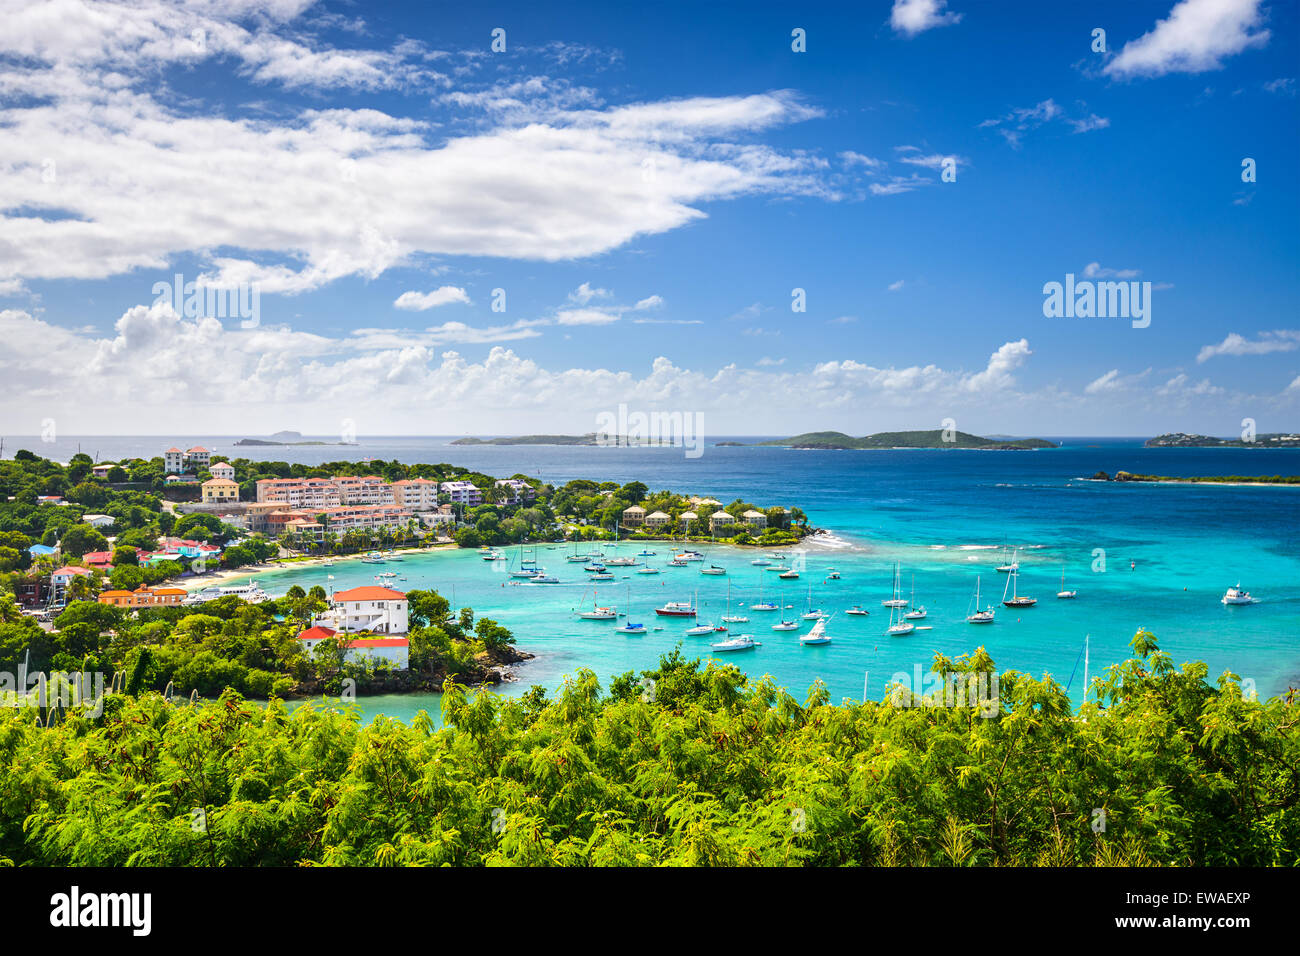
(648, 187)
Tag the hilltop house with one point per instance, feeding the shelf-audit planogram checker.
(380, 611)
(222, 469)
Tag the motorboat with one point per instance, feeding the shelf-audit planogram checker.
(1235, 595)
(858, 611)
(713, 569)
(741, 642)
(676, 609)
(817, 635)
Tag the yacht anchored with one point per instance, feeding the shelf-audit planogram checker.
(713, 569)
(676, 609)
(1063, 593)
(977, 616)
(897, 627)
(895, 601)
(817, 635)
(858, 610)
(741, 642)
(917, 613)
(1017, 599)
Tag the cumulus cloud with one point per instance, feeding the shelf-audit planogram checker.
(422, 301)
(1282, 340)
(911, 17)
(1198, 35)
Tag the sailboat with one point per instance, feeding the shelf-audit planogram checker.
(598, 613)
(763, 605)
(818, 633)
(977, 616)
(741, 642)
(917, 613)
(630, 626)
(1016, 600)
(713, 569)
(897, 626)
(812, 613)
(1008, 566)
(1063, 593)
(895, 601)
(730, 618)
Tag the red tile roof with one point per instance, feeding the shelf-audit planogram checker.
(317, 633)
(69, 569)
(369, 593)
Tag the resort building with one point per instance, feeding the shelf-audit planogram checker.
(198, 457)
(371, 608)
(174, 460)
(221, 469)
(320, 493)
(721, 523)
(395, 650)
(442, 523)
(755, 519)
(517, 490)
(656, 519)
(98, 521)
(370, 490)
(416, 494)
(219, 490)
(686, 519)
(633, 516)
(462, 492)
(143, 596)
(337, 520)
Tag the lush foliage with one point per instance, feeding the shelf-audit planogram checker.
(681, 766)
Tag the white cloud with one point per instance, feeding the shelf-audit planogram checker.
(1282, 340)
(649, 302)
(421, 301)
(585, 293)
(587, 316)
(895, 286)
(1196, 36)
(851, 159)
(1014, 125)
(915, 16)
(1113, 381)
(1095, 270)
(997, 374)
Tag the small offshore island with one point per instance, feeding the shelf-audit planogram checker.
(1265, 440)
(1203, 479)
(933, 438)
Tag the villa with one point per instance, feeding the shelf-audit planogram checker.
(174, 460)
(634, 515)
(517, 490)
(371, 608)
(721, 523)
(462, 492)
(198, 457)
(219, 491)
(223, 469)
(60, 579)
(686, 519)
(657, 519)
(755, 519)
(395, 650)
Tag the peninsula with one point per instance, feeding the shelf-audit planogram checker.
(933, 438)
(1183, 440)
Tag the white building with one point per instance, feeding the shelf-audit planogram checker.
(198, 457)
(98, 521)
(416, 494)
(367, 608)
(174, 460)
(517, 489)
(368, 490)
(656, 519)
(462, 492)
(721, 523)
(395, 650)
(755, 519)
(224, 470)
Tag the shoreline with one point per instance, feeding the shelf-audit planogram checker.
(1189, 481)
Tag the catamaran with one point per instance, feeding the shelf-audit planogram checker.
(1063, 593)
(977, 616)
(1016, 600)
(1236, 595)
(373, 557)
(832, 574)
(817, 635)
(602, 576)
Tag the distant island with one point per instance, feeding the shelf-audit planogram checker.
(1183, 440)
(934, 438)
(288, 438)
(591, 438)
(1201, 480)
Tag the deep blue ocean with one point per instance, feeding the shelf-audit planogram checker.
(1154, 556)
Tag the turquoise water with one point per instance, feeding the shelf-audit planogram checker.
(1170, 551)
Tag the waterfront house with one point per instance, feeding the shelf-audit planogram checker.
(633, 516)
(395, 650)
(657, 519)
(721, 523)
(755, 519)
(220, 491)
(686, 519)
(368, 608)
